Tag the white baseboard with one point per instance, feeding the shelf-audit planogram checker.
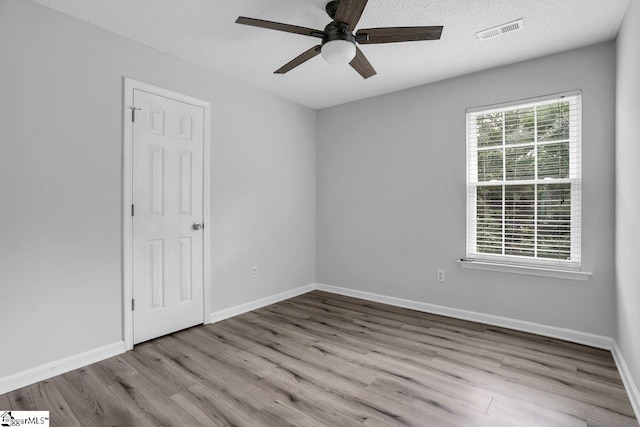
(627, 379)
(51, 369)
(217, 316)
(586, 338)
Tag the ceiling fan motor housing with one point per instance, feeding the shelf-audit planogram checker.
(338, 45)
(334, 33)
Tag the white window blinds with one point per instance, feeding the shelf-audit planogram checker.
(524, 181)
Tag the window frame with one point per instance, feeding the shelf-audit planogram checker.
(574, 180)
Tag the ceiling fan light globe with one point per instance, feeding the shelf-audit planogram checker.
(338, 52)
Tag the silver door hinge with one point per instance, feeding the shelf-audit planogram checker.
(133, 113)
(133, 210)
(133, 304)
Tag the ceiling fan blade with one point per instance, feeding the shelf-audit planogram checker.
(398, 34)
(280, 27)
(349, 12)
(362, 65)
(299, 60)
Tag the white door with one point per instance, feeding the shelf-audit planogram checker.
(168, 142)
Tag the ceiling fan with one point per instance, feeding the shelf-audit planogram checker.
(338, 40)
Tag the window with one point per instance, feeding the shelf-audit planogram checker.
(524, 182)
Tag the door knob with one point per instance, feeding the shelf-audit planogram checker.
(197, 226)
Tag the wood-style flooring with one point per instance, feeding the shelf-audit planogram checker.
(327, 360)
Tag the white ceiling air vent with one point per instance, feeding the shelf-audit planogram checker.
(500, 29)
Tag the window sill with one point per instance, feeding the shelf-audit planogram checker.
(528, 270)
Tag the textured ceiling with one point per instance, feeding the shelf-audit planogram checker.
(203, 32)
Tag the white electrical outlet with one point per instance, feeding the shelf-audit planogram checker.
(440, 275)
(254, 271)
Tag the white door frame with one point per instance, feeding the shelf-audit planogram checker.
(127, 195)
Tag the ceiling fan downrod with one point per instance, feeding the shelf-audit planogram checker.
(332, 8)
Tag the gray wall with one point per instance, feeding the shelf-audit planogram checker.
(391, 194)
(60, 183)
(390, 188)
(627, 191)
